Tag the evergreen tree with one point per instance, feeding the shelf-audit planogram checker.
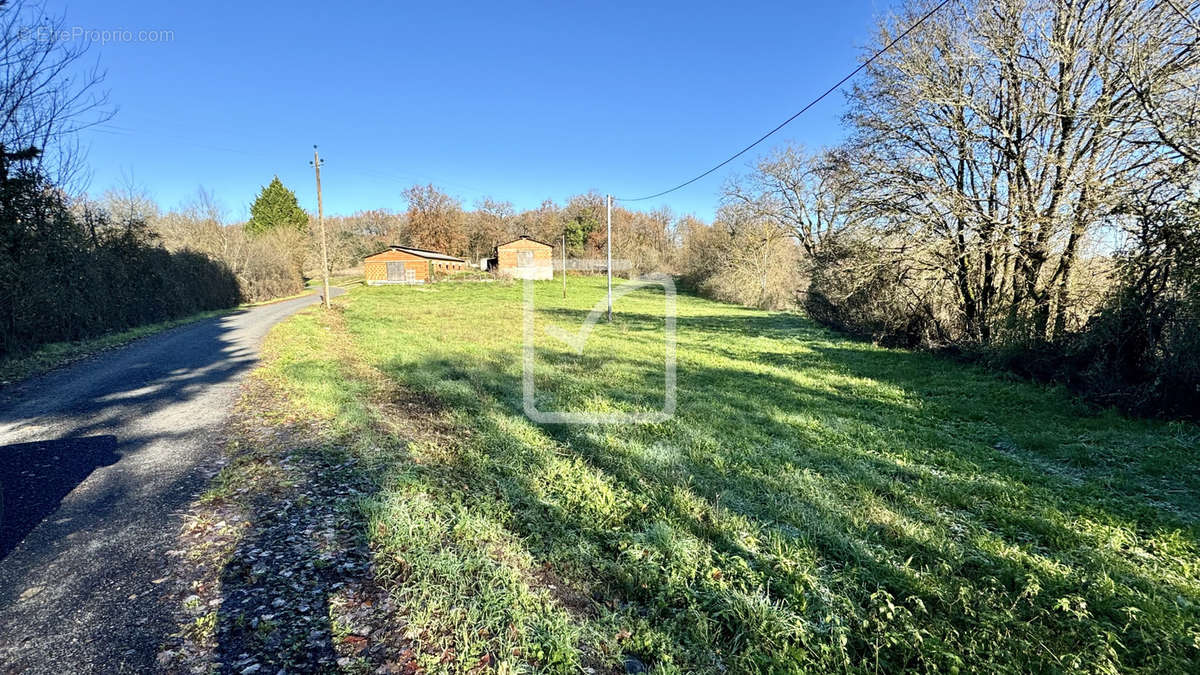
(276, 207)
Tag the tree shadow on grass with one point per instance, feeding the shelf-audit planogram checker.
(1045, 428)
(298, 591)
(276, 587)
(1057, 439)
(280, 572)
(886, 484)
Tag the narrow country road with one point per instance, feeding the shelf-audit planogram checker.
(97, 460)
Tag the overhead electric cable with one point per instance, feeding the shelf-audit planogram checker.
(783, 124)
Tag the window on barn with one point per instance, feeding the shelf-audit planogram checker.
(524, 258)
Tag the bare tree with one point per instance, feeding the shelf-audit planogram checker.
(48, 93)
(1160, 68)
(999, 134)
(741, 258)
(646, 239)
(129, 203)
(801, 193)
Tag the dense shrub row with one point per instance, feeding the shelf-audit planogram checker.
(748, 263)
(1141, 350)
(1138, 350)
(855, 288)
(267, 270)
(69, 276)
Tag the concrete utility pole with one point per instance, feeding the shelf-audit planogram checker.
(564, 259)
(316, 162)
(608, 204)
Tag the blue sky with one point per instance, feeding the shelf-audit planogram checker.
(521, 101)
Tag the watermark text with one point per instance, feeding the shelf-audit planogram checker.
(95, 35)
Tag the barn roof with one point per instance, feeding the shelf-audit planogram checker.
(525, 238)
(420, 252)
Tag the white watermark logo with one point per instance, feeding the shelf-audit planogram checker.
(578, 340)
(94, 35)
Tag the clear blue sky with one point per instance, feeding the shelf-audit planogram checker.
(520, 101)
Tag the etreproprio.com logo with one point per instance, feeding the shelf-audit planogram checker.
(94, 35)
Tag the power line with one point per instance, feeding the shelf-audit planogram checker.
(113, 130)
(783, 124)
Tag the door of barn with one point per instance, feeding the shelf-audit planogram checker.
(395, 270)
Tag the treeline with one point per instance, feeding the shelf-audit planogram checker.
(68, 269)
(1019, 187)
(69, 272)
(270, 255)
(438, 221)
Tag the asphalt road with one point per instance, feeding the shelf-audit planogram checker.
(97, 462)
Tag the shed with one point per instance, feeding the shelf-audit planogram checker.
(407, 265)
(525, 258)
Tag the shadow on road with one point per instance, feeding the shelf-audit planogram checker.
(34, 478)
(96, 459)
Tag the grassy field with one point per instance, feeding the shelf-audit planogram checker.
(815, 504)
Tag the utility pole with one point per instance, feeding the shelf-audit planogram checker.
(564, 260)
(316, 162)
(608, 204)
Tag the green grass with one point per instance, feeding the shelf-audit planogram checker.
(816, 504)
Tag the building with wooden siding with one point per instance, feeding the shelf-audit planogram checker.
(524, 258)
(406, 265)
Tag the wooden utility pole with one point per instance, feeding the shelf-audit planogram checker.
(608, 204)
(564, 260)
(316, 162)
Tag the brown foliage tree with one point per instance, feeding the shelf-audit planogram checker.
(435, 221)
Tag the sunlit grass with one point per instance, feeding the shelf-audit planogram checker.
(815, 504)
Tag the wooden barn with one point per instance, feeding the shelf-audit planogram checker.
(524, 258)
(406, 265)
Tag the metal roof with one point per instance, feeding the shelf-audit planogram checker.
(431, 255)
